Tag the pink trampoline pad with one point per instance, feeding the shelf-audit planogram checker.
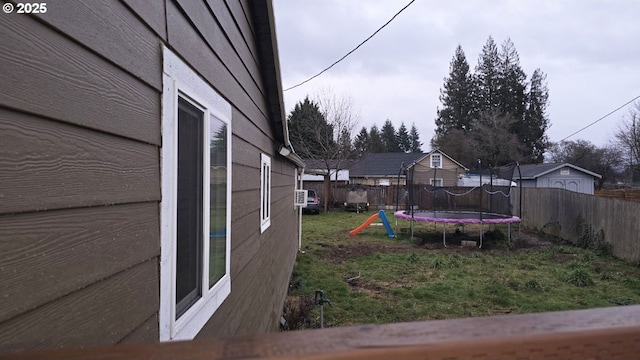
(457, 217)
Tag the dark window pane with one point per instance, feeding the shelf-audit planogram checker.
(218, 201)
(189, 206)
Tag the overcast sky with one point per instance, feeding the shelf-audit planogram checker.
(590, 51)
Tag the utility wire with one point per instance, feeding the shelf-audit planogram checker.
(354, 49)
(602, 118)
(586, 127)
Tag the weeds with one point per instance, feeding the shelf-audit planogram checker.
(579, 277)
(401, 280)
(590, 239)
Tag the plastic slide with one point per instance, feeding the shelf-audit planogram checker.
(385, 222)
(371, 219)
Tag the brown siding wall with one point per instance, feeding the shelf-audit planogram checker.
(448, 173)
(80, 141)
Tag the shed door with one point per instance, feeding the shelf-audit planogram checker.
(567, 184)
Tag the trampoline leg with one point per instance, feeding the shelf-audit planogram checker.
(480, 247)
(444, 240)
(509, 235)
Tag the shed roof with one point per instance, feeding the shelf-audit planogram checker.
(534, 171)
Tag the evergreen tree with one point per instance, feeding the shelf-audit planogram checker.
(456, 97)
(512, 83)
(487, 77)
(309, 131)
(403, 138)
(344, 144)
(390, 137)
(536, 121)
(414, 140)
(375, 144)
(361, 142)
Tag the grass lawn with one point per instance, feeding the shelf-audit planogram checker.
(371, 278)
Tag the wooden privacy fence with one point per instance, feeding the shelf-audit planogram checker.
(624, 194)
(377, 195)
(571, 215)
(425, 197)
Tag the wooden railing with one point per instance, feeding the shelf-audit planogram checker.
(606, 333)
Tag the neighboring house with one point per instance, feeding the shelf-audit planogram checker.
(438, 169)
(564, 176)
(146, 178)
(382, 169)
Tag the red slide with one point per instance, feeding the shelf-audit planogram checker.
(364, 225)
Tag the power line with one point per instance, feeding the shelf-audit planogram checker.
(602, 118)
(354, 49)
(586, 127)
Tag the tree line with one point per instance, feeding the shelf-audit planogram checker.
(492, 114)
(321, 129)
(387, 139)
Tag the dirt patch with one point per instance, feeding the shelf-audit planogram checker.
(339, 253)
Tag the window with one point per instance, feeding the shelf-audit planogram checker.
(265, 192)
(436, 182)
(436, 161)
(196, 201)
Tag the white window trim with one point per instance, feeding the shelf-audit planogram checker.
(431, 181)
(179, 78)
(265, 192)
(431, 161)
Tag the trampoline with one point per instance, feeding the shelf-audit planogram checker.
(484, 198)
(457, 217)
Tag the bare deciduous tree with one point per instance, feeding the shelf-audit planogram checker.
(628, 140)
(342, 118)
(320, 129)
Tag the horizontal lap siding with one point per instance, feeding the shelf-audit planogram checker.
(218, 41)
(104, 312)
(79, 175)
(46, 73)
(52, 165)
(48, 254)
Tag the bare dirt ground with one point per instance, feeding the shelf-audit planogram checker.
(337, 254)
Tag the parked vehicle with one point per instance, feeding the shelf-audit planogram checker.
(313, 202)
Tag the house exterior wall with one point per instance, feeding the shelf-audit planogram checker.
(423, 172)
(80, 172)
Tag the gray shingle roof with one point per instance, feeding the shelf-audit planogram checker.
(383, 164)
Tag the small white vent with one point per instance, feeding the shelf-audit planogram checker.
(300, 198)
(564, 171)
